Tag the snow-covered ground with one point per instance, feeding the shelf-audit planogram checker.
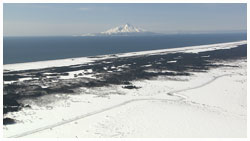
(206, 104)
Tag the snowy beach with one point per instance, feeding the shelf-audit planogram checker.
(198, 91)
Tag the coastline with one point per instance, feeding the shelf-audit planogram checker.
(81, 60)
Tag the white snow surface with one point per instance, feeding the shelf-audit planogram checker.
(211, 104)
(79, 73)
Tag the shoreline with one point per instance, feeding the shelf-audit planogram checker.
(89, 59)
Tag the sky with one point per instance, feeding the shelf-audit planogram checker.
(60, 19)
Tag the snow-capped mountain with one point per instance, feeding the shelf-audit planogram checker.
(127, 28)
(123, 30)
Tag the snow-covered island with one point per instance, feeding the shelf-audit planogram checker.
(197, 91)
(124, 30)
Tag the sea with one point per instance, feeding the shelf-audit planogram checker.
(31, 49)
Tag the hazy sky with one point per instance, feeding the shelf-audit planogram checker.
(76, 19)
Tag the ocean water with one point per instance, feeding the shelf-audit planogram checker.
(30, 49)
